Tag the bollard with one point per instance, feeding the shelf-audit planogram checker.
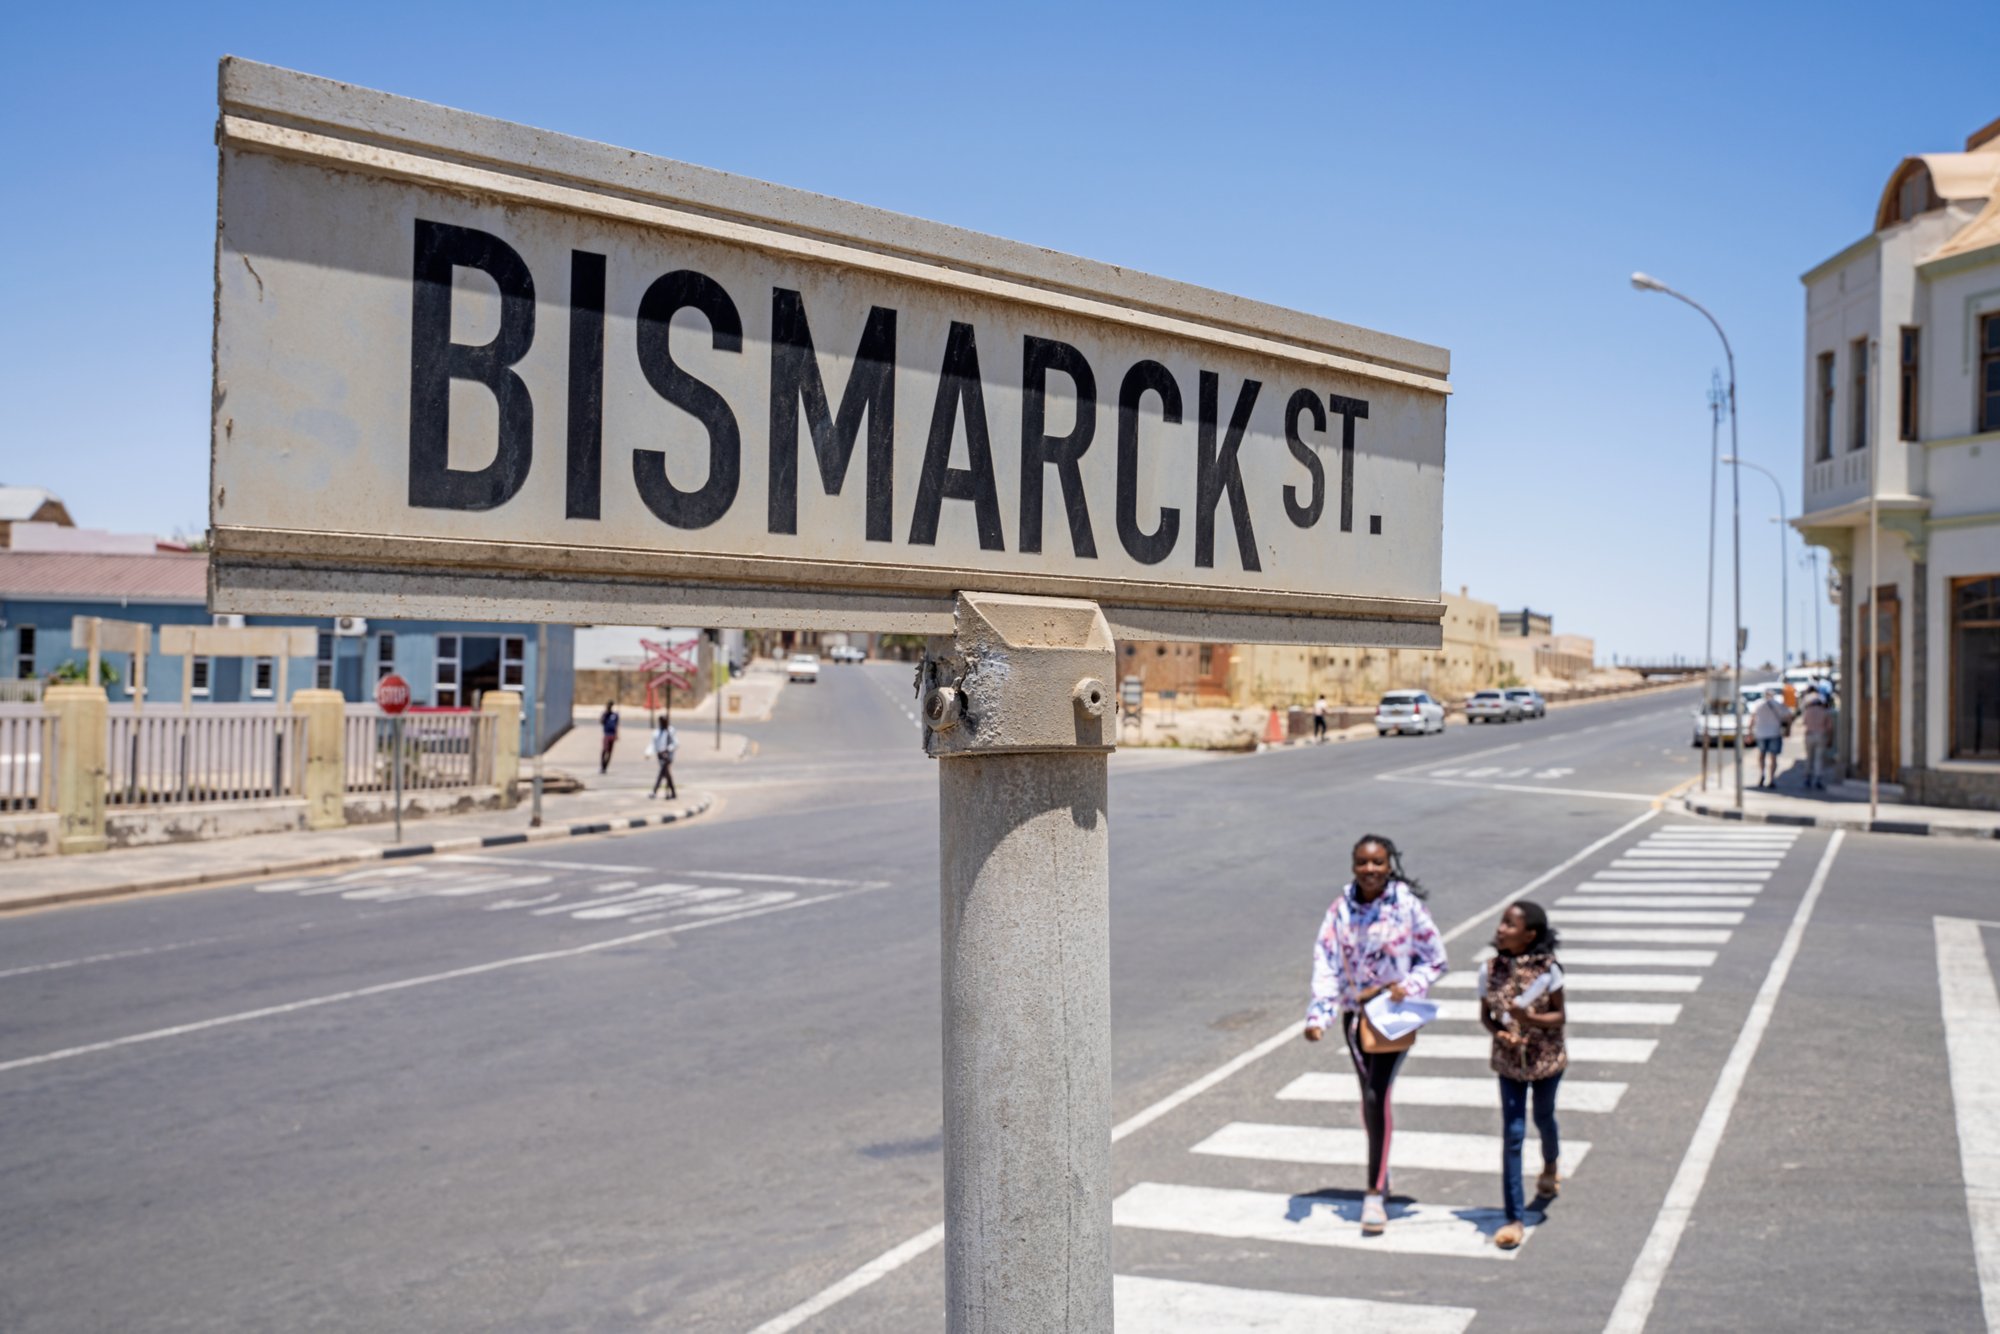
(82, 732)
(325, 712)
(505, 706)
(1018, 713)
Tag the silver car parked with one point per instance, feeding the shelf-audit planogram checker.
(1492, 706)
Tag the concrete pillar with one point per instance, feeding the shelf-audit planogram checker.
(82, 727)
(1018, 711)
(505, 707)
(325, 712)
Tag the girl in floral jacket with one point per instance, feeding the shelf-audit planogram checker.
(1377, 936)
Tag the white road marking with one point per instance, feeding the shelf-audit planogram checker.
(1574, 980)
(1601, 900)
(1532, 790)
(898, 1256)
(1667, 887)
(1622, 917)
(1582, 1012)
(1576, 1095)
(1631, 958)
(1636, 863)
(1172, 1306)
(1323, 1146)
(1649, 1271)
(1309, 1220)
(58, 964)
(403, 984)
(1666, 877)
(606, 867)
(1647, 935)
(1479, 1047)
(1971, 1008)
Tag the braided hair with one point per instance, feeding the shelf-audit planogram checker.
(1396, 871)
(1536, 917)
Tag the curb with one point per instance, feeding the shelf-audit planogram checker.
(1919, 828)
(547, 834)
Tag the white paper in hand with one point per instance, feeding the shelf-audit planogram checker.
(1393, 1018)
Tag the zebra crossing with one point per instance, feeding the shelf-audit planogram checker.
(1641, 930)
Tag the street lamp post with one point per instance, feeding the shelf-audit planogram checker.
(1784, 579)
(1643, 283)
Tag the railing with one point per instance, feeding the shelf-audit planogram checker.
(440, 750)
(27, 759)
(221, 752)
(20, 690)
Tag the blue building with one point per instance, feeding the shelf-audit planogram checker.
(449, 664)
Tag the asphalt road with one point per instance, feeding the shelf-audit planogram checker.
(687, 1079)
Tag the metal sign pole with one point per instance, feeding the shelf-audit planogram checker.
(396, 744)
(1017, 710)
(714, 661)
(541, 726)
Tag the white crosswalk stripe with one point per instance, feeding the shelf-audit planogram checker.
(1309, 1220)
(1694, 864)
(1479, 1047)
(1648, 935)
(1637, 877)
(1651, 900)
(1641, 917)
(1574, 980)
(1174, 1306)
(1629, 958)
(1578, 1095)
(1437, 1150)
(1669, 887)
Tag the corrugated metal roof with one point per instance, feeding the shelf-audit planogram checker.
(88, 576)
(21, 502)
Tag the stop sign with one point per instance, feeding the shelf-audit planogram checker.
(392, 694)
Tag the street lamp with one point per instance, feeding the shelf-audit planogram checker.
(1784, 582)
(1644, 283)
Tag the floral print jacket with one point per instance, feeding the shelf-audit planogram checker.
(1362, 946)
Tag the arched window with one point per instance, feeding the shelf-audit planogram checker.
(1910, 194)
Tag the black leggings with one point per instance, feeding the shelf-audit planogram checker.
(1376, 1071)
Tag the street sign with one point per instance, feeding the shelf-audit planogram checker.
(465, 368)
(392, 694)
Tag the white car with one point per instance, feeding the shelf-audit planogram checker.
(1720, 727)
(1492, 706)
(1531, 701)
(803, 667)
(846, 653)
(1408, 711)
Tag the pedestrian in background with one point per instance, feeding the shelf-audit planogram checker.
(608, 721)
(666, 743)
(1816, 713)
(1768, 722)
(1319, 718)
(1378, 936)
(1521, 991)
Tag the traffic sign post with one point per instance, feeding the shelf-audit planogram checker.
(392, 696)
(552, 380)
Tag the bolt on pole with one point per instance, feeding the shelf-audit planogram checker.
(1017, 710)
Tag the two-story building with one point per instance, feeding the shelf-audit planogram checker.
(1902, 473)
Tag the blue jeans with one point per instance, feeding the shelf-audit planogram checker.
(1514, 1131)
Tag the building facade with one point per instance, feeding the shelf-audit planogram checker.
(1901, 464)
(449, 664)
(1263, 674)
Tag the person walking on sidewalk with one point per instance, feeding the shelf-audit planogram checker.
(1768, 722)
(1816, 712)
(1521, 994)
(1319, 718)
(608, 721)
(666, 743)
(1378, 936)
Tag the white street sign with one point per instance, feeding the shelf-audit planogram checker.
(472, 369)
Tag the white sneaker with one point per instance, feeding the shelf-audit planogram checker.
(1374, 1218)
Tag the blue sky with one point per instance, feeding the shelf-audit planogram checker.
(1482, 177)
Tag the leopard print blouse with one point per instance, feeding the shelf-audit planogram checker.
(1543, 1054)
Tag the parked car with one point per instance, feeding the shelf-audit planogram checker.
(1724, 727)
(846, 653)
(1531, 702)
(803, 667)
(1408, 711)
(1492, 706)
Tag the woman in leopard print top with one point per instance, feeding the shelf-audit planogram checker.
(1521, 992)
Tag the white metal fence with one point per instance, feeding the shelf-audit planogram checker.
(220, 752)
(27, 759)
(439, 750)
(20, 689)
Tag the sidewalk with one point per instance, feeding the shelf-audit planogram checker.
(1842, 805)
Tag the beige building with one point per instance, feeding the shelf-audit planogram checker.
(1543, 658)
(1265, 674)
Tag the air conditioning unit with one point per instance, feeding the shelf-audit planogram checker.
(350, 625)
(229, 622)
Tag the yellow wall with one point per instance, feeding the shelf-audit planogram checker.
(1264, 674)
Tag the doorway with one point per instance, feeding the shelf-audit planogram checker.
(1879, 683)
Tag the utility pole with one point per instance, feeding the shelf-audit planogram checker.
(540, 731)
(1017, 711)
